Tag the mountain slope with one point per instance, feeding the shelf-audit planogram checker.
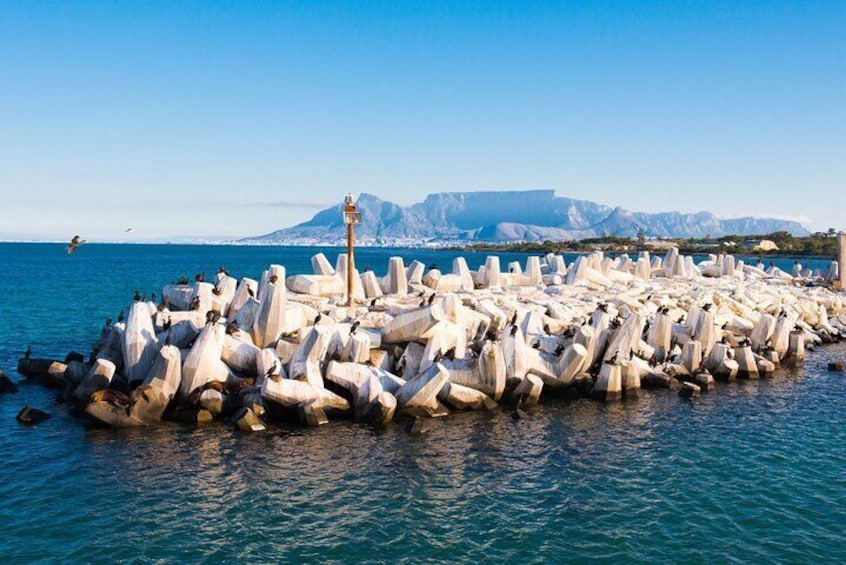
(532, 215)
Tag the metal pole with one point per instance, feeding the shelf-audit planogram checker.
(350, 262)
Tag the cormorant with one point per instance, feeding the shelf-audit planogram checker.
(75, 243)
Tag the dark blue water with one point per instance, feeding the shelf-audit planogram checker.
(754, 471)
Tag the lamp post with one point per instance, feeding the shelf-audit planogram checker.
(351, 217)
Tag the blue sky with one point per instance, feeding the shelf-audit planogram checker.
(238, 118)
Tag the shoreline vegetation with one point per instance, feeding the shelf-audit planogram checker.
(822, 245)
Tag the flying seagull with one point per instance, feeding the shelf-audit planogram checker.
(74, 243)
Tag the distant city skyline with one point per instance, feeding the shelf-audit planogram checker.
(209, 119)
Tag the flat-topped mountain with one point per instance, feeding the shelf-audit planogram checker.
(531, 215)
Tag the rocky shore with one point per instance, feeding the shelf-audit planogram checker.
(421, 342)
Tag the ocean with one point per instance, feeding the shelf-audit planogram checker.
(754, 471)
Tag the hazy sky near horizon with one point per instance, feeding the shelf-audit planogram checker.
(238, 118)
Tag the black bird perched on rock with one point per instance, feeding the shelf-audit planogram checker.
(108, 322)
(195, 304)
(167, 324)
(664, 310)
(251, 292)
(232, 327)
(216, 291)
(137, 297)
(272, 279)
(183, 280)
(560, 349)
(373, 302)
(613, 359)
(450, 354)
(75, 244)
(318, 318)
(200, 277)
(432, 298)
(28, 352)
(707, 307)
(724, 326)
(514, 329)
(212, 316)
(433, 266)
(514, 318)
(152, 297)
(423, 303)
(354, 326)
(121, 316)
(222, 270)
(536, 345)
(680, 320)
(602, 306)
(270, 374)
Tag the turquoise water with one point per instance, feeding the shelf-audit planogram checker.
(755, 471)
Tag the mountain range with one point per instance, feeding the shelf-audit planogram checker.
(531, 215)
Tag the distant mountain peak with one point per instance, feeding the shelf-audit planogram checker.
(518, 215)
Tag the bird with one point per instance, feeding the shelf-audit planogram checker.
(212, 316)
(137, 297)
(514, 329)
(432, 298)
(232, 327)
(195, 304)
(354, 326)
(75, 243)
(28, 352)
(373, 302)
(318, 318)
(272, 279)
(271, 371)
(129, 230)
(108, 322)
(152, 297)
(121, 316)
(536, 345)
(183, 280)
(707, 307)
(251, 292)
(433, 266)
(167, 324)
(613, 359)
(200, 277)
(222, 270)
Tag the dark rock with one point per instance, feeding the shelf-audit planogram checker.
(74, 356)
(30, 416)
(6, 384)
(417, 426)
(48, 372)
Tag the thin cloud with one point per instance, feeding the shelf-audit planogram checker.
(310, 204)
(804, 220)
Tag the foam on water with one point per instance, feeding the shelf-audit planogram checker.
(751, 471)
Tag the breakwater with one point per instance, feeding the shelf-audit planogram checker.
(421, 341)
